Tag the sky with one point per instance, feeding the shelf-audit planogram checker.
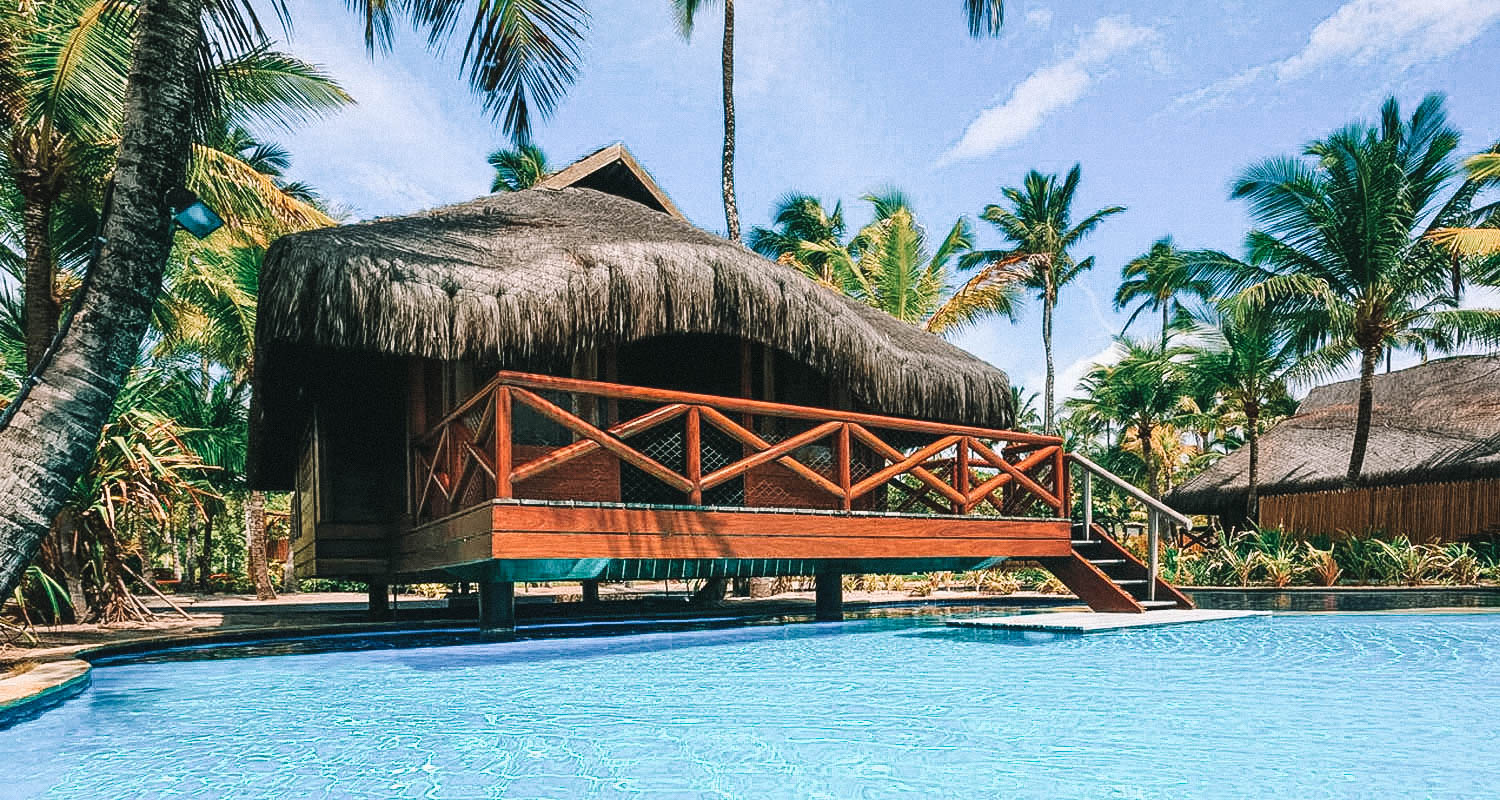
(1163, 104)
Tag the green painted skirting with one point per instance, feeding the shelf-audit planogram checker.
(639, 569)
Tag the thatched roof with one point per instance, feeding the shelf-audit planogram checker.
(1433, 422)
(548, 273)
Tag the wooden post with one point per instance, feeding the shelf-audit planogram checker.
(694, 457)
(379, 602)
(830, 594)
(843, 461)
(961, 474)
(591, 592)
(502, 443)
(1060, 483)
(497, 606)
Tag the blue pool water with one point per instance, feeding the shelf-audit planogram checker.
(1314, 706)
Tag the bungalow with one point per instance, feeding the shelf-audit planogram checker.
(573, 383)
(1431, 471)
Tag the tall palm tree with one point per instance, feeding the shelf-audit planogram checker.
(62, 98)
(518, 168)
(519, 56)
(801, 220)
(1038, 226)
(888, 265)
(1143, 390)
(1245, 358)
(1344, 252)
(984, 17)
(1159, 280)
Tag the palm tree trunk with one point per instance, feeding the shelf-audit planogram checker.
(51, 439)
(731, 209)
(206, 557)
(1252, 440)
(41, 275)
(1153, 487)
(1165, 322)
(255, 545)
(1362, 416)
(1047, 423)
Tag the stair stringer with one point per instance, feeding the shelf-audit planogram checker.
(1090, 584)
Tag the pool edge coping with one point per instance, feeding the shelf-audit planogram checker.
(47, 684)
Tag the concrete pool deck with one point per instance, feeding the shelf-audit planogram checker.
(1098, 622)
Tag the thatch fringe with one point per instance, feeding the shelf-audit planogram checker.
(552, 273)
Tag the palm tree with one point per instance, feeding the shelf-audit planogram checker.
(1344, 253)
(1481, 240)
(1159, 279)
(518, 60)
(1024, 402)
(518, 168)
(1245, 360)
(985, 18)
(63, 94)
(1143, 390)
(1039, 228)
(803, 220)
(889, 266)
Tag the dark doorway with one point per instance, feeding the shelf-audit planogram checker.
(701, 364)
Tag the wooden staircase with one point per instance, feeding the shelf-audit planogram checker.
(1108, 577)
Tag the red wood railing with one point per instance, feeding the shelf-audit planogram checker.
(680, 448)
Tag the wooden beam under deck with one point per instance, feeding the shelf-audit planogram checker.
(512, 530)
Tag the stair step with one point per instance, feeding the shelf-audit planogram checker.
(1106, 562)
(1084, 542)
(1150, 604)
(1130, 582)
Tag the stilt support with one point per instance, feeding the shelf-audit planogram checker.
(591, 592)
(497, 606)
(380, 600)
(830, 590)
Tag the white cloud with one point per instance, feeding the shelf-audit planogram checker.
(1039, 17)
(1400, 33)
(1049, 89)
(1069, 376)
(1395, 34)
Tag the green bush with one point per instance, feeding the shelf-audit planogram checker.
(331, 585)
(1461, 563)
(1411, 564)
(1360, 558)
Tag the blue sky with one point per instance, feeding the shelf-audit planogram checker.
(1163, 103)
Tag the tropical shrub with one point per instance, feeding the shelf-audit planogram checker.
(1408, 563)
(1360, 558)
(1276, 553)
(1322, 566)
(1460, 563)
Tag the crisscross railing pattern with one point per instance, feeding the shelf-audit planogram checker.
(543, 437)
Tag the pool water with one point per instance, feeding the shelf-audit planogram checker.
(1302, 706)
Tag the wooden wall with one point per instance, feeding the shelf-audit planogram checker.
(1427, 512)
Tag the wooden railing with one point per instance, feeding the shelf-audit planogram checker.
(550, 438)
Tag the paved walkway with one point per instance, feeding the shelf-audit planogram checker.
(1095, 622)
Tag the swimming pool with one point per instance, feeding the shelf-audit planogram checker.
(1301, 706)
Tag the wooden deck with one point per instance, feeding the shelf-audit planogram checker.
(536, 467)
(514, 529)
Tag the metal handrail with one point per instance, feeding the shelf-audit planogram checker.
(1131, 489)
(1155, 509)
